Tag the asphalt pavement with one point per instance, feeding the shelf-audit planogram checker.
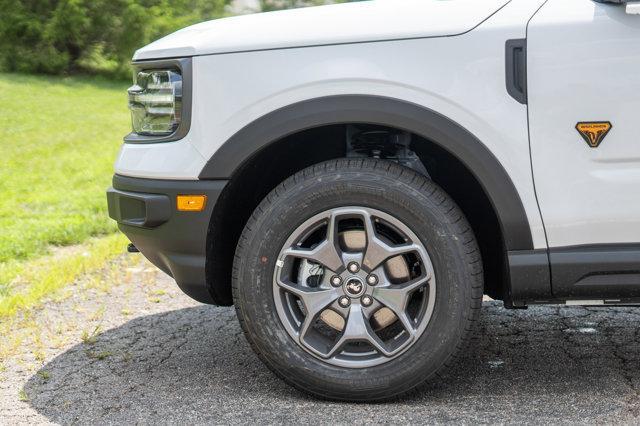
(159, 357)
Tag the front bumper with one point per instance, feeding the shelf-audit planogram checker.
(174, 241)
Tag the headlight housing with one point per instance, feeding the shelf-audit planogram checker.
(155, 101)
(160, 101)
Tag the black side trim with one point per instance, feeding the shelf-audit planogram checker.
(529, 275)
(178, 244)
(184, 65)
(516, 69)
(390, 112)
(606, 271)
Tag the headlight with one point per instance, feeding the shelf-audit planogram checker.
(155, 101)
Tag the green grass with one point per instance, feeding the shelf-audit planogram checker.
(58, 140)
(43, 277)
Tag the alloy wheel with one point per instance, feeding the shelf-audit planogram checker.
(354, 287)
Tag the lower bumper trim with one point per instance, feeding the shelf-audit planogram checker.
(174, 241)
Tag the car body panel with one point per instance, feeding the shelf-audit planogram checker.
(334, 24)
(178, 160)
(462, 77)
(584, 66)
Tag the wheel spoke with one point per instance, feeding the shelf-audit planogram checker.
(325, 253)
(377, 251)
(315, 300)
(358, 329)
(397, 297)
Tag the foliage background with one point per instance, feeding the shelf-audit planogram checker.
(60, 133)
(98, 37)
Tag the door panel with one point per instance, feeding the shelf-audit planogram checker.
(584, 66)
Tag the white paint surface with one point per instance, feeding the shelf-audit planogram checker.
(341, 23)
(584, 65)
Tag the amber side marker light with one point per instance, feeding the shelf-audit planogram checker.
(191, 203)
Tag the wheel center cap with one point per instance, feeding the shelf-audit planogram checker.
(354, 287)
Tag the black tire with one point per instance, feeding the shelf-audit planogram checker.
(416, 201)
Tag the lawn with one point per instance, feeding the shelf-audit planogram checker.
(58, 141)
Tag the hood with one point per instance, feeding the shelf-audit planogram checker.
(364, 21)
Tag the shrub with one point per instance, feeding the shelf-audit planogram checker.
(90, 36)
(98, 36)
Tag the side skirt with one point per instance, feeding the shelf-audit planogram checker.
(600, 271)
(596, 275)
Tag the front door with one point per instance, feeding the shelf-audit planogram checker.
(584, 116)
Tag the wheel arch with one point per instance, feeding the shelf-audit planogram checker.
(323, 116)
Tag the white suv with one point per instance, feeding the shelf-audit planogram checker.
(355, 177)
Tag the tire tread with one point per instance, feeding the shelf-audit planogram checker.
(418, 182)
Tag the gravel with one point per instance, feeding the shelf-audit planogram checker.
(139, 351)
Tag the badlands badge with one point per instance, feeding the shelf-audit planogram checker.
(594, 132)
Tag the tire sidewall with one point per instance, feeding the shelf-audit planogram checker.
(419, 205)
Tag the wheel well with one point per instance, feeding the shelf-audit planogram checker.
(262, 172)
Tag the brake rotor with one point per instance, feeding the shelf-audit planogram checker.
(333, 319)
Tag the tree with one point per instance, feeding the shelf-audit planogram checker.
(90, 36)
(98, 36)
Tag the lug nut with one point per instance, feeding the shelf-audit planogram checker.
(372, 279)
(336, 281)
(344, 301)
(353, 267)
(366, 300)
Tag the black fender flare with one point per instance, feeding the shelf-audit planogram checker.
(390, 112)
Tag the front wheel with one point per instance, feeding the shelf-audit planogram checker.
(357, 280)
